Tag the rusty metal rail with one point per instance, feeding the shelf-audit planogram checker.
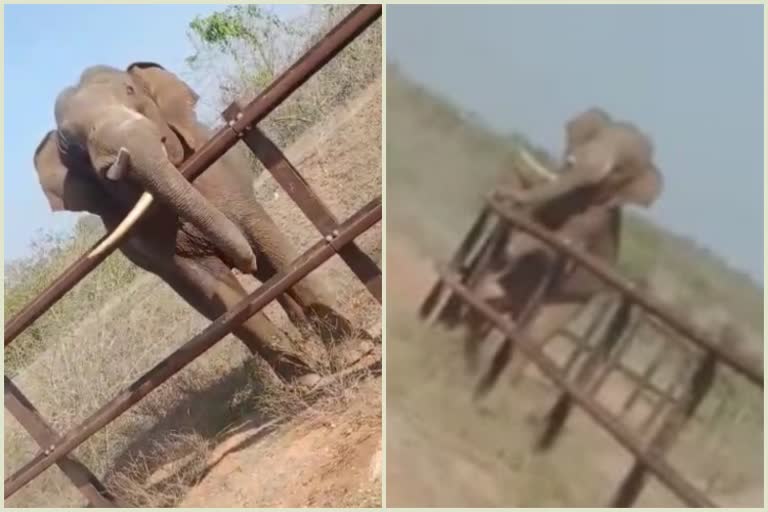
(338, 238)
(298, 189)
(619, 432)
(669, 415)
(45, 437)
(310, 260)
(737, 360)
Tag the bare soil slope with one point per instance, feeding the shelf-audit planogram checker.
(171, 442)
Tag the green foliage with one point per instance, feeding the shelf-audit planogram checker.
(244, 28)
(248, 46)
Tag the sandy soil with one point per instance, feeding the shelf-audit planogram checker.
(332, 459)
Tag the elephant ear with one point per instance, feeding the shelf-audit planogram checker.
(175, 99)
(65, 182)
(643, 190)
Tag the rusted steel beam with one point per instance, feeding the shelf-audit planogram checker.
(361, 221)
(664, 404)
(290, 80)
(614, 359)
(738, 360)
(468, 245)
(657, 465)
(312, 61)
(308, 202)
(582, 344)
(671, 401)
(633, 375)
(699, 385)
(558, 414)
(646, 378)
(475, 265)
(504, 355)
(45, 437)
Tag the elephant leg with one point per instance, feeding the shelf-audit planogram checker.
(487, 289)
(548, 321)
(303, 304)
(211, 288)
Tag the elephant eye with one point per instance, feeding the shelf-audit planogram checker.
(130, 90)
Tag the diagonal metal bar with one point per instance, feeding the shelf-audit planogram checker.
(700, 383)
(738, 360)
(310, 204)
(45, 437)
(315, 256)
(651, 461)
(290, 80)
(468, 245)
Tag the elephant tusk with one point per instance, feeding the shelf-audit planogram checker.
(536, 166)
(138, 211)
(117, 170)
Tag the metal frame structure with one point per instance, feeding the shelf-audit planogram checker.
(337, 238)
(600, 354)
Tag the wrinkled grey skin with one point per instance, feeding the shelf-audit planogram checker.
(607, 164)
(195, 234)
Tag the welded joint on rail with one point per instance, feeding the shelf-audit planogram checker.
(233, 122)
(232, 115)
(331, 238)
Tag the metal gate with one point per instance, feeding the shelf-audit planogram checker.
(600, 355)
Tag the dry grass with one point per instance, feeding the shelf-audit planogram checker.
(153, 454)
(166, 469)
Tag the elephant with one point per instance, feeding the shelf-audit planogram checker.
(122, 133)
(607, 164)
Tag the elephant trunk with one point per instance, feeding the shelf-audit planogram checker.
(151, 168)
(166, 183)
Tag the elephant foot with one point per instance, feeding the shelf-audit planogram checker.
(351, 352)
(332, 327)
(308, 381)
(293, 370)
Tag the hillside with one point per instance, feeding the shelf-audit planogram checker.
(444, 450)
(210, 436)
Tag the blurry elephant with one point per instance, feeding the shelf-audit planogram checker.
(122, 132)
(608, 164)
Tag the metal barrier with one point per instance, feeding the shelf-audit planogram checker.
(675, 406)
(338, 238)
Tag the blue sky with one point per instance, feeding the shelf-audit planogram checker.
(46, 48)
(691, 76)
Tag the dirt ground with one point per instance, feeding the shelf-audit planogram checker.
(332, 459)
(328, 455)
(443, 450)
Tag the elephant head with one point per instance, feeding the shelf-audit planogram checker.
(118, 132)
(614, 157)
